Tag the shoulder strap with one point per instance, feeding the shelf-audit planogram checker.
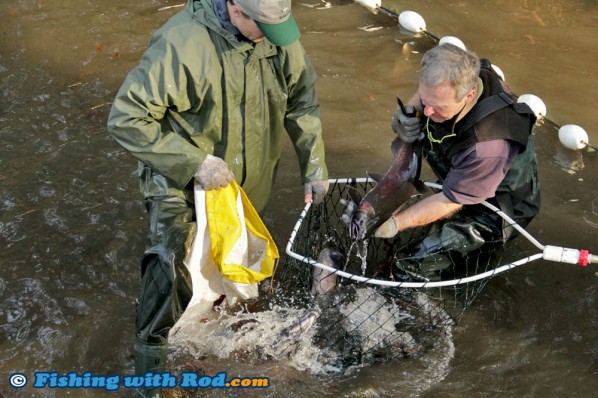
(484, 108)
(485, 63)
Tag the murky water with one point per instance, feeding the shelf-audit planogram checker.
(72, 225)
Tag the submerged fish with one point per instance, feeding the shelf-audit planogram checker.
(399, 184)
(303, 324)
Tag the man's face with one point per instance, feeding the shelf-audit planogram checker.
(440, 102)
(246, 26)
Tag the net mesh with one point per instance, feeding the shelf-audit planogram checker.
(363, 322)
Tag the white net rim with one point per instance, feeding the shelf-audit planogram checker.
(413, 285)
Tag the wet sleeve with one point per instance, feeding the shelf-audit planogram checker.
(302, 119)
(477, 171)
(136, 120)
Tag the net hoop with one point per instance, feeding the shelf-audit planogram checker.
(417, 285)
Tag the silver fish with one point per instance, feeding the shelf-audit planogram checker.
(324, 280)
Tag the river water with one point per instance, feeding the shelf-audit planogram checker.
(72, 224)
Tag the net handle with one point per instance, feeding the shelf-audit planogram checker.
(503, 215)
(551, 253)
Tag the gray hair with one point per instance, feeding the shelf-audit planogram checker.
(450, 64)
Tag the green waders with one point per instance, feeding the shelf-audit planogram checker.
(165, 282)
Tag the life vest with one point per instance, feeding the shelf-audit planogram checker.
(495, 116)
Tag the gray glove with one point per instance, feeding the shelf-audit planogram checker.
(317, 190)
(350, 208)
(388, 229)
(213, 173)
(406, 127)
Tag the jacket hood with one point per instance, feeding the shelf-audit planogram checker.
(203, 12)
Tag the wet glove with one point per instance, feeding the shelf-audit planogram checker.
(387, 230)
(213, 173)
(406, 127)
(317, 190)
(350, 208)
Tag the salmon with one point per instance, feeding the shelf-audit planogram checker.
(400, 183)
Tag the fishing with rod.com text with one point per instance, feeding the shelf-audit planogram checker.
(149, 380)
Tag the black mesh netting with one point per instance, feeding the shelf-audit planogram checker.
(364, 322)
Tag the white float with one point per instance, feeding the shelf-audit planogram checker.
(535, 103)
(372, 5)
(573, 136)
(455, 41)
(499, 72)
(412, 21)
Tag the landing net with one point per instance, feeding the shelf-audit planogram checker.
(391, 303)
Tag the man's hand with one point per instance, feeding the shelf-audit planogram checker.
(350, 208)
(406, 127)
(213, 173)
(315, 190)
(387, 230)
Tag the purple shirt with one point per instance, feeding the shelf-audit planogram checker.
(477, 171)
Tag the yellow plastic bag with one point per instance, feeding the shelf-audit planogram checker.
(243, 249)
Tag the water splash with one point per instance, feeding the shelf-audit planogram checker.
(361, 251)
(359, 328)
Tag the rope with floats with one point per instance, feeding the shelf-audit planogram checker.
(571, 136)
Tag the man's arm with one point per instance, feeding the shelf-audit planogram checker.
(135, 120)
(426, 211)
(302, 121)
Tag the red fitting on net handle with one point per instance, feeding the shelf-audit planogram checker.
(584, 258)
(569, 256)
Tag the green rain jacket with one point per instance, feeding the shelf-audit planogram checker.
(198, 90)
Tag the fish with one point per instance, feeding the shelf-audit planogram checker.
(303, 324)
(393, 189)
(324, 280)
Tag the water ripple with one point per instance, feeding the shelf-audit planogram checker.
(27, 309)
(10, 231)
(54, 219)
(78, 305)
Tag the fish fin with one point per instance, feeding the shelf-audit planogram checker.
(355, 195)
(377, 177)
(303, 324)
(338, 257)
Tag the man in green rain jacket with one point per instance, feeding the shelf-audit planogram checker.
(211, 101)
